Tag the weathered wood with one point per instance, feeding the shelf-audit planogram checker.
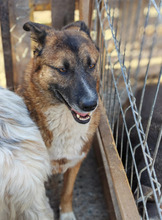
(62, 13)
(91, 8)
(102, 174)
(85, 11)
(19, 13)
(6, 43)
(121, 195)
(42, 2)
(40, 5)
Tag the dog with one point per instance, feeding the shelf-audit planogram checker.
(24, 163)
(60, 90)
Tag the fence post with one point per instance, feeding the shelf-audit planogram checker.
(19, 13)
(6, 43)
(85, 11)
(62, 13)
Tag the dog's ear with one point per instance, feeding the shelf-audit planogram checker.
(38, 31)
(78, 25)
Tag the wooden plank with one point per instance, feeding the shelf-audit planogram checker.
(6, 43)
(85, 11)
(101, 168)
(121, 195)
(108, 182)
(42, 2)
(62, 13)
(19, 13)
(41, 5)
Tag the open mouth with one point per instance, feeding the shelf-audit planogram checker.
(82, 118)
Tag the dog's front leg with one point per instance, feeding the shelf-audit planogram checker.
(66, 210)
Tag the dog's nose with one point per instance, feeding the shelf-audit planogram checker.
(88, 105)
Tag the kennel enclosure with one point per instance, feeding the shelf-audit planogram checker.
(129, 35)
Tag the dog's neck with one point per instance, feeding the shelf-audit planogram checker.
(37, 103)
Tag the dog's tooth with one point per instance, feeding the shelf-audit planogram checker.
(84, 119)
(78, 116)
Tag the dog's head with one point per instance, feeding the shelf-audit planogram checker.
(66, 66)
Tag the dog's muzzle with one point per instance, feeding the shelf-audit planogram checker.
(82, 118)
(86, 108)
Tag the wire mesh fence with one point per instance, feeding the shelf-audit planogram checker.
(15, 41)
(129, 34)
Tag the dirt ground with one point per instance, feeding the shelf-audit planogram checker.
(88, 200)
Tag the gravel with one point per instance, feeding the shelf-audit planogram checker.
(88, 197)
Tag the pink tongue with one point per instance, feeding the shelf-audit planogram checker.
(81, 114)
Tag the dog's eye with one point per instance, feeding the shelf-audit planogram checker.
(92, 66)
(62, 70)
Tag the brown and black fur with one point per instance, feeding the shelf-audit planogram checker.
(63, 72)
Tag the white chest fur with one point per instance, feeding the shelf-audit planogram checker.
(69, 136)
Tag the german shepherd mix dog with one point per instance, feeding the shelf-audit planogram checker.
(60, 92)
(24, 163)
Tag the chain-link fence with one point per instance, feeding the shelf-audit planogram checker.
(129, 34)
(16, 43)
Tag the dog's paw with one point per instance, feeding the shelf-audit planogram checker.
(67, 216)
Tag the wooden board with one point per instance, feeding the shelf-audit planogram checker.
(115, 180)
(101, 168)
(6, 42)
(19, 13)
(85, 11)
(62, 13)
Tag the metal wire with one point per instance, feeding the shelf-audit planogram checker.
(122, 30)
(124, 37)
